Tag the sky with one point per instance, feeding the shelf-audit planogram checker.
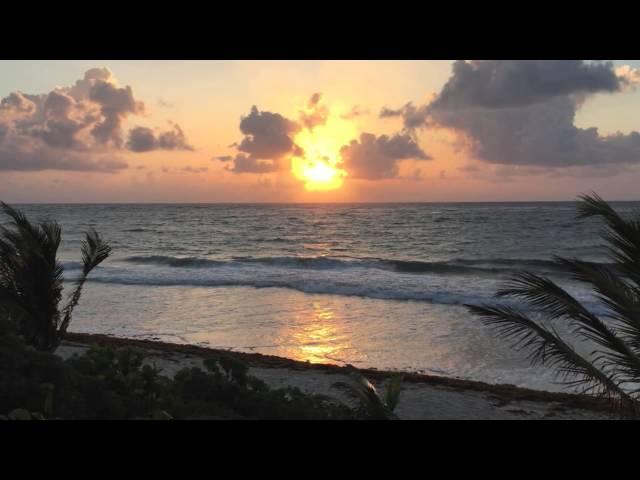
(318, 131)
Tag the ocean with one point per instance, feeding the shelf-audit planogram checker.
(372, 285)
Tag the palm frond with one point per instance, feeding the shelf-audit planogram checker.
(31, 277)
(547, 297)
(620, 298)
(622, 235)
(547, 348)
(613, 367)
(94, 252)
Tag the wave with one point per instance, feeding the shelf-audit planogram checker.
(458, 292)
(139, 230)
(173, 261)
(311, 286)
(433, 282)
(451, 267)
(274, 240)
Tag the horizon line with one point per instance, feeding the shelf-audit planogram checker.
(312, 203)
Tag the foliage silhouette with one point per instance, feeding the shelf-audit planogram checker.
(612, 367)
(31, 277)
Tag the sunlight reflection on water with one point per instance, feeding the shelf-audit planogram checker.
(368, 333)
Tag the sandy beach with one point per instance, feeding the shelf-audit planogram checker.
(423, 397)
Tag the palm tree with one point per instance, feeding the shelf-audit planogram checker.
(612, 369)
(31, 278)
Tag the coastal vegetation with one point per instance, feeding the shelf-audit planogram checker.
(116, 383)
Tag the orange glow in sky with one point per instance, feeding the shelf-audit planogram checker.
(319, 167)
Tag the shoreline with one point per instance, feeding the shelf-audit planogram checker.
(500, 395)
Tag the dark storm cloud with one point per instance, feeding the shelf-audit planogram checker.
(374, 157)
(74, 128)
(142, 139)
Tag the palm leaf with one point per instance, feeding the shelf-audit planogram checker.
(94, 252)
(622, 236)
(547, 348)
(620, 298)
(613, 368)
(31, 278)
(545, 296)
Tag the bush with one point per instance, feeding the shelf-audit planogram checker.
(107, 383)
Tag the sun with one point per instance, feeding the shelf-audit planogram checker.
(319, 166)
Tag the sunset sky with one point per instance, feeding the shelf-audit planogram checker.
(321, 131)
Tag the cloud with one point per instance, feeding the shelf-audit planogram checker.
(115, 104)
(247, 164)
(190, 169)
(494, 84)
(142, 139)
(4, 129)
(523, 113)
(413, 116)
(163, 103)
(356, 111)
(315, 114)
(267, 135)
(540, 134)
(516, 83)
(629, 75)
(17, 102)
(377, 157)
(14, 157)
(268, 138)
(79, 127)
